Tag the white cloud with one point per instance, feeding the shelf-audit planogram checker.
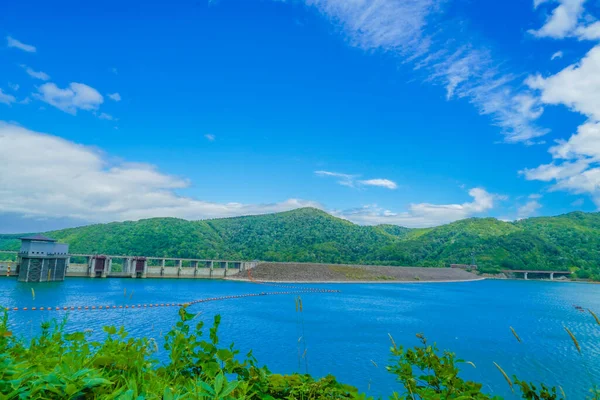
(568, 19)
(36, 74)
(210, 137)
(423, 214)
(585, 143)
(12, 42)
(106, 116)
(553, 171)
(558, 54)
(589, 32)
(14, 86)
(6, 98)
(352, 180)
(577, 86)
(114, 96)
(528, 209)
(412, 30)
(576, 165)
(45, 176)
(386, 183)
(76, 96)
(343, 179)
(562, 21)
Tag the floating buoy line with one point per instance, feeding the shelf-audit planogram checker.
(299, 290)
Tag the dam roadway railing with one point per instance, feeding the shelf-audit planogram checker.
(122, 266)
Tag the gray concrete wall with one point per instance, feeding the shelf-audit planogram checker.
(77, 270)
(4, 268)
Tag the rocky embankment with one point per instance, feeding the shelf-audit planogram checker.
(304, 272)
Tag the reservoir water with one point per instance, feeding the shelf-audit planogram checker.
(346, 333)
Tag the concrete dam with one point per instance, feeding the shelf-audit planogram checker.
(119, 266)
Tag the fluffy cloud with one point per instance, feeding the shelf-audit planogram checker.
(576, 165)
(45, 176)
(386, 183)
(413, 31)
(568, 19)
(12, 42)
(589, 32)
(553, 171)
(528, 209)
(558, 54)
(14, 86)
(423, 214)
(352, 181)
(585, 143)
(563, 19)
(76, 96)
(576, 162)
(577, 86)
(6, 98)
(114, 96)
(210, 137)
(36, 74)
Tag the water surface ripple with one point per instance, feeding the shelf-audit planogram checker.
(345, 331)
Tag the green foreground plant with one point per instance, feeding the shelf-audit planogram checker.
(61, 365)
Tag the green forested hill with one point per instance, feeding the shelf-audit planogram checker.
(570, 241)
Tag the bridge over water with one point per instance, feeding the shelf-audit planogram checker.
(119, 266)
(526, 272)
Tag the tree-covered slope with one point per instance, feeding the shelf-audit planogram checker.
(570, 241)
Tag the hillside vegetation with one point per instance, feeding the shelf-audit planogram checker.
(570, 241)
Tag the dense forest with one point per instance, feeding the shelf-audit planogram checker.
(570, 241)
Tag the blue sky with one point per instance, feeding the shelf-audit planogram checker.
(414, 113)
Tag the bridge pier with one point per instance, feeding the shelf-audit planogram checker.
(90, 263)
(551, 276)
(525, 275)
(127, 266)
(107, 268)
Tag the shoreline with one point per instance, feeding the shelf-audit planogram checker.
(359, 282)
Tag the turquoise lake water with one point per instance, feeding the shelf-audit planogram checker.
(346, 331)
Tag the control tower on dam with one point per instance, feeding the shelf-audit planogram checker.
(42, 259)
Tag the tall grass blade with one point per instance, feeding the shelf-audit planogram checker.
(393, 342)
(563, 392)
(33, 293)
(505, 377)
(515, 334)
(595, 316)
(574, 339)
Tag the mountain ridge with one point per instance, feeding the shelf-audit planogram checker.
(567, 241)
